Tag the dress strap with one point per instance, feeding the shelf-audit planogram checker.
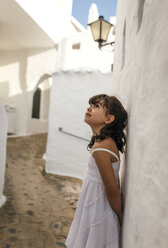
(106, 150)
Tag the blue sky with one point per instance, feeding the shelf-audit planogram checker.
(80, 9)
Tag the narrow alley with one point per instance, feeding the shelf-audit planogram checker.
(39, 207)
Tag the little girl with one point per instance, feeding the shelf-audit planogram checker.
(98, 215)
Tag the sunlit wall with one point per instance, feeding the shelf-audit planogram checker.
(140, 77)
(20, 72)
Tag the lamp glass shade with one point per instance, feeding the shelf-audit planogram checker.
(100, 29)
(106, 26)
(95, 28)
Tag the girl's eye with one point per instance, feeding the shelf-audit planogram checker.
(94, 105)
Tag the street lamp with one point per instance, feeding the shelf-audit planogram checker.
(100, 30)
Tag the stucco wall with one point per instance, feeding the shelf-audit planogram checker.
(70, 92)
(20, 72)
(57, 16)
(3, 137)
(87, 56)
(140, 78)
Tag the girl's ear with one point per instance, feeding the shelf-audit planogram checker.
(110, 118)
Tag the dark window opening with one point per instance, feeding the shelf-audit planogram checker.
(76, 46)
(36, 104)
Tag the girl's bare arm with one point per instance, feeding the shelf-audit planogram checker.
(103, 160)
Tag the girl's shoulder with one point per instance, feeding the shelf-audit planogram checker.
(108, 144)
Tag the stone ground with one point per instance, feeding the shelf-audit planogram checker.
(39, 207)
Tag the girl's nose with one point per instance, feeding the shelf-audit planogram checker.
(89, 108)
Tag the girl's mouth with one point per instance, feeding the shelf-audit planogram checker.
(87, 114)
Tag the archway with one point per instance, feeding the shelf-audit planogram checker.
(40, 105)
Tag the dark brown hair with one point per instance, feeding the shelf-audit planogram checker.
(115, 129)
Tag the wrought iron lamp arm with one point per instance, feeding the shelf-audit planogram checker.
(105, 44)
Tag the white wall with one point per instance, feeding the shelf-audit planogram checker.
(3, 137)
(19, 30)
(20, 72)
(22, 69)
(70, 92)
(87, 56)
(57, 15)
(140, 78)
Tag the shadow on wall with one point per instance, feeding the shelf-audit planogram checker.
(123, 46)
(123, 173)
(11, 57)
(3, 137)
(19, 58)
(19, 114)
(4, 88)
(140, 10)
(14, 90)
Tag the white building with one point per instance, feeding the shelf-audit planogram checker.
(29, 55)
(140, 78)
(31, 49)
(35, 43)
(68, 134)
(3, 138)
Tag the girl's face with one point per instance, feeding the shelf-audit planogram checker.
(95, 115)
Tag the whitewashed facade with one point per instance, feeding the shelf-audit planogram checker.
(31, 48)
(67, 154)
(140, 78)
(3, 138)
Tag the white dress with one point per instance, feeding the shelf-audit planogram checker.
(95, 224)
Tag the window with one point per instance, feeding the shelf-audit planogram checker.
(76, 46)
(36, 104)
